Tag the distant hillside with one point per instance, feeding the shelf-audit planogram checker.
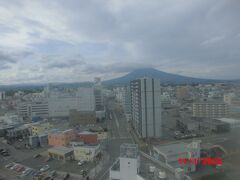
(166, 78)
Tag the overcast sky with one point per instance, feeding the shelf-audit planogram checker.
(76, 40)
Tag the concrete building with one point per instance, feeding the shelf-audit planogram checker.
(33, 141)
(85, 152)
(82, 117)
(127, 166)
(43, 140)
(60, 103)
(41, 128)
(61, 153)
(197, 124)
(61, 138)
(228, 97)
(233, 123)
(38, 140)
(171, 153)
(33, 109)
(99, 106)
(18, 132)
(2, 95)
(87, 137)
(101, 134)
(146, 107)
(210, 109)
(182, 92)
(123, 95)
(10, 119)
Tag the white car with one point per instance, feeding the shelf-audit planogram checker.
(80, 163)
(45, 168)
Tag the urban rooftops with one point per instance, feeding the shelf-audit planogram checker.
(129, 150)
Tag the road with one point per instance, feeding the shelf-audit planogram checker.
(118, 134)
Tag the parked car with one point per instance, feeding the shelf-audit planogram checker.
(5, 154)
(52, 173)
(80, 163)
(9, 165)
(14, 166)
(20, 169)
(83, 172)
(1, 150)
(44, 168)
(67, 176)
(36, 155)
(48, 159)
(27, 171)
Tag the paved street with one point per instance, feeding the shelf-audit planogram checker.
(118, 130)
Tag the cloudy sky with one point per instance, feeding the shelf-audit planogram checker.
(76, 40)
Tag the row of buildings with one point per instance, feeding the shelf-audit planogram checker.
(152, 111)
(58, 103)
(141, 101)
(67, 144)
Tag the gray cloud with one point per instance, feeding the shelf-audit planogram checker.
(196, 38)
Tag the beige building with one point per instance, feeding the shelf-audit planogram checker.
(210, 109)
(85, 152)
(41, 128)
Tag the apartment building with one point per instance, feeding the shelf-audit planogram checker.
(210, 109)
(146, 107)
(32, 109)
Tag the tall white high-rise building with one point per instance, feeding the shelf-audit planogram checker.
(146, 107)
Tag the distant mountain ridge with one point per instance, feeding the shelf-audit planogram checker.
(166, 78)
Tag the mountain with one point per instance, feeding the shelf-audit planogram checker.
(165, 78)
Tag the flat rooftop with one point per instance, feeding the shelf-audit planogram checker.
(229, 120)
(61, 150)
(172, 149)
(129, 150)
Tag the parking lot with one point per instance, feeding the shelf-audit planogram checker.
(28, 157)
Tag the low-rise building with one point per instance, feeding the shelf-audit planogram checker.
(85, 152)
(18, 132)
(82, 117)
(171, 153)
(61, 153)
(88, 137)
(127, 166)
(234, 123)
(101, 134)
(210, 109)
(41, 128)
(61, 138)
(39, 140)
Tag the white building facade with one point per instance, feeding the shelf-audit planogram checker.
(127, 166)
(61, 103)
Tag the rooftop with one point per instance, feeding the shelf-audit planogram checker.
(173, 149)
(60, 150)
(229, 120)
(86, 132)
(129, 150)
